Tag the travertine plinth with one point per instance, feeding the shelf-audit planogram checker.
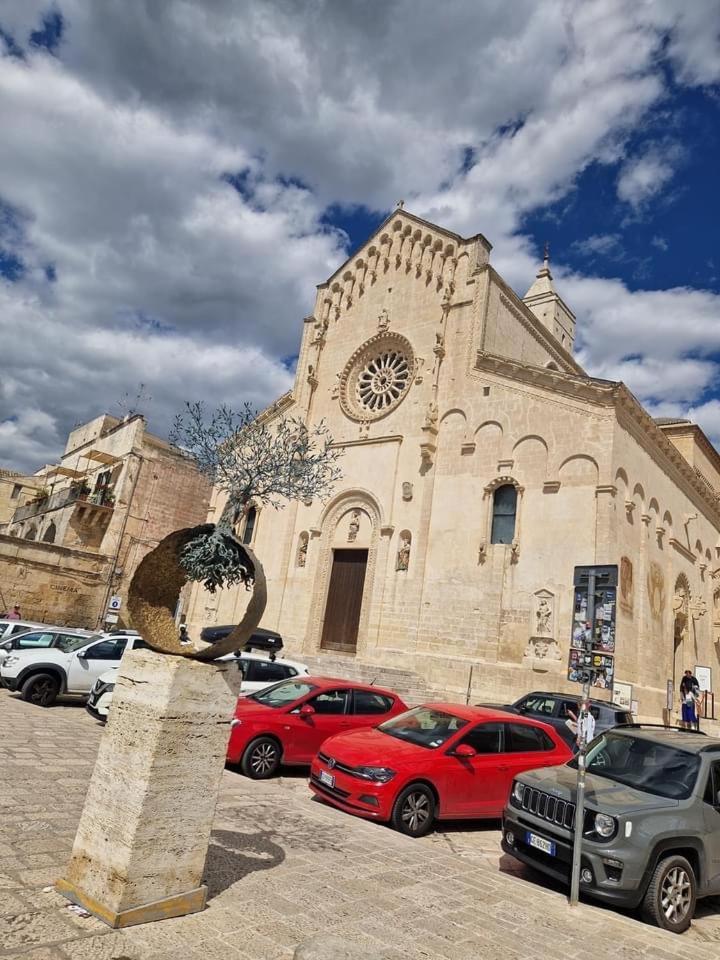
(140, 849)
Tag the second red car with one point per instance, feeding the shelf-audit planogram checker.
(438, 761)
(288, 722)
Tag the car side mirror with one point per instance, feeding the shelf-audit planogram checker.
(82, 655)
(306, 710)
(465, 751)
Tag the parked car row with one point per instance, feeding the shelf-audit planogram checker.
(651, 829)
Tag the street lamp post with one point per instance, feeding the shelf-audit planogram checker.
(582, 724)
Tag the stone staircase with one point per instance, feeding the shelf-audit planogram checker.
(409, 685)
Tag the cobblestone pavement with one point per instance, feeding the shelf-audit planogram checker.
(283, 867)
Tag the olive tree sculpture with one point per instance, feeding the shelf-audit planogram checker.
(140, 849)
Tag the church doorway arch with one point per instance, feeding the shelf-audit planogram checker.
(681, 601)
(348, 550)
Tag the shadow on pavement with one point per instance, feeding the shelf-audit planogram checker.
(233, 856)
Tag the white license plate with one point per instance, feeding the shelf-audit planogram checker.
(540, 843)
(327, 778)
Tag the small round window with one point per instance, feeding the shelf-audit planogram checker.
(377, 377)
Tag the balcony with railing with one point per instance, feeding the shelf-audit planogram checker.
(102, 498)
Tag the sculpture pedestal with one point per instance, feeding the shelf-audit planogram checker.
(140, 849)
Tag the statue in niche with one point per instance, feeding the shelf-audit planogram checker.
(354, 527)
(543, 616)
(383, 320)
(302, 552)
(403, 555)
(407, 490)
(431, 416)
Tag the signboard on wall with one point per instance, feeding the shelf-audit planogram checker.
(622, 694)
(703, 675)
(592, 644)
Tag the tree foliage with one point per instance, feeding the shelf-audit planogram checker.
(255, 460)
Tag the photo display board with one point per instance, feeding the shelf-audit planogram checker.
(592, 645)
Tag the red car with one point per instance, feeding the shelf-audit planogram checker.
(439, 761)
(288, 722)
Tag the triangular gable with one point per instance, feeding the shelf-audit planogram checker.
(405, 218)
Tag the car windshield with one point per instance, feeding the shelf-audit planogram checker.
(423, 726)
(282, 694)
(643, 764)
(69, 644)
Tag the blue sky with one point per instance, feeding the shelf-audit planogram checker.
(176, 177)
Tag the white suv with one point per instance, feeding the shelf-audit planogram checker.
(70, 666)
(258, 672)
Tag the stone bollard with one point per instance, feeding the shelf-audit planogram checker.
(139, 853)
(329, 947)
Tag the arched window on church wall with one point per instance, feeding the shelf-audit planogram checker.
(50, 533)
(249, 524)
(504, 512)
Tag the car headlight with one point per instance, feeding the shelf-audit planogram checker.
(109, 687)
(605, 826)
(378, 774)
(518, 791)
(9, 661)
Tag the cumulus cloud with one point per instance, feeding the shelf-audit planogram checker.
(642, 178)
(163, 203)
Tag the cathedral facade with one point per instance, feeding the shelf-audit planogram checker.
(482, 468)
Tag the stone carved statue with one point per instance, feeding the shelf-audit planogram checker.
(543, 648)
(403, 555)
(302, 551)
(543, 616)
(354, 527)
(407, 490)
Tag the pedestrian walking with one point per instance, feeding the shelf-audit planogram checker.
(689, 689)
(13, 614)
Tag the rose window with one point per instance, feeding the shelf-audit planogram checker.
(377, 377)
(383, 381)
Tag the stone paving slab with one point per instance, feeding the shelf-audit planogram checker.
(283, 868)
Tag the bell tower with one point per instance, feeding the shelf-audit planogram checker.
(550, 309)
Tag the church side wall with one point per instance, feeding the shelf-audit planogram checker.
(666, 602)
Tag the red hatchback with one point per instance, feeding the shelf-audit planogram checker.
(288, 722)
(438, 761)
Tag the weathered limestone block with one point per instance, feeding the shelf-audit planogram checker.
(330, 947)
(140, 849)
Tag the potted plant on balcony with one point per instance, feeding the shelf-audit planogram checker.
(83, 490)
(41, 495)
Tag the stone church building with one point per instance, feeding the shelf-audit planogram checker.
(481, 466)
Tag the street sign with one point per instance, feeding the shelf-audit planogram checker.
(111, 618)
(114, 603)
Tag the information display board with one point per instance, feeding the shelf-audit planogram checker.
(592, 645)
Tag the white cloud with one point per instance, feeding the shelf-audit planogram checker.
(600, 244)
(166, 274)
(646, 176)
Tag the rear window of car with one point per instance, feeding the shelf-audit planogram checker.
(525, 738)
(538, 703)
(265, 671)
(28, 641)
(366, 701)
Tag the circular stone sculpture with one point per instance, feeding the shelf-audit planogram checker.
(156, 586)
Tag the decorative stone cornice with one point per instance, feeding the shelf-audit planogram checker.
(613, 396)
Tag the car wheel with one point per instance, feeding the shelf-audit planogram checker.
(671, 894)
(41, 689)
(414, 810)
(261, 759)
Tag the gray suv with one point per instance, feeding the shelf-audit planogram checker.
(651, 832)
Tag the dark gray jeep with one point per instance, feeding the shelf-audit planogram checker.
(651, 832)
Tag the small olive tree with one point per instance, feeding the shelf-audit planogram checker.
(256, 460)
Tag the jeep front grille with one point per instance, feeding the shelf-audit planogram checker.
(546, 807)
